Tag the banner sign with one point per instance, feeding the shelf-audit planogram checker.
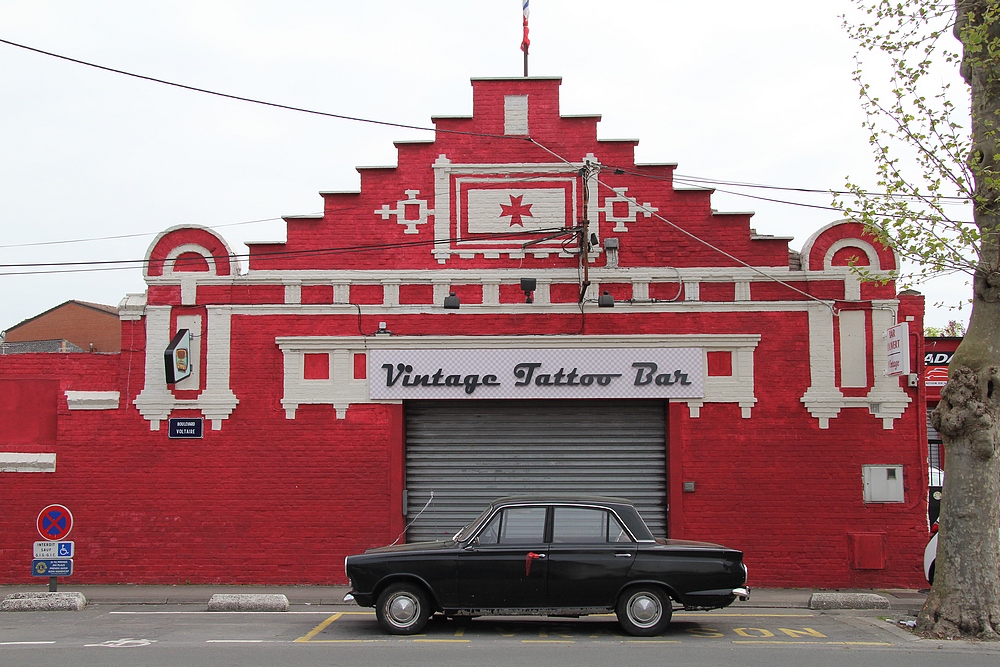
(898, 349)
(536, 373)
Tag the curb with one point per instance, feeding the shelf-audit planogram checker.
(44, 602)
(247, 602)
(848, 601)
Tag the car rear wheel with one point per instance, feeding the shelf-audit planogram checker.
(643, 611)
(402, 609)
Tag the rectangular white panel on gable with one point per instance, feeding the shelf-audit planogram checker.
(496, 211)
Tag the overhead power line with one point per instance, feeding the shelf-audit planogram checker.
(251, 100)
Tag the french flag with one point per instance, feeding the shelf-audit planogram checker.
(525, 42)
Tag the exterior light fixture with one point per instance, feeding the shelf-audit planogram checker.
(452, 302)
(382, 330)
(606, 300)
(528, 286)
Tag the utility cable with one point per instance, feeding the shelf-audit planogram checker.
(251, 100)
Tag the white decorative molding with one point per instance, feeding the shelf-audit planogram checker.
(448, 214)
(342, 390)
(132, 307)
(634, 209)
(886, 393)
(92, 400)
(742, 290)
(823, 399)
(218, 401)
(170, 261)
(155, 402)
(423, 211)
(22, 462)
(293, 291)
(692, 291)
(886, 400)
(853, 349)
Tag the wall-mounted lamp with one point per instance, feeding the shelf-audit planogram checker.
(382, 330)
(606, 300)
(528, 286)
(452, 302)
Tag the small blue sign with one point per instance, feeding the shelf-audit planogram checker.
(185, 428)
(52, 567)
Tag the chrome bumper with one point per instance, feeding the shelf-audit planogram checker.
(742, 593)
(348, 598)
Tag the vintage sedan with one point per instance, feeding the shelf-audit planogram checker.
(547, 555)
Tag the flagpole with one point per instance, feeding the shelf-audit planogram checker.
(524, 40)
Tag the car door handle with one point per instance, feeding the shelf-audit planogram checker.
(623, 555)
(527, 561)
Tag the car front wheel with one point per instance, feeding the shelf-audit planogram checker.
(402, 609)
(643, 611)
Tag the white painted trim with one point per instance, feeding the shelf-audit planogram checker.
(234, 261)
(92, 400)
(873, 260)
(170, 260)
(823, 399)
(20, 462)
(155, 401)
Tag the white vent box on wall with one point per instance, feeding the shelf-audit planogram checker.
(883, 484)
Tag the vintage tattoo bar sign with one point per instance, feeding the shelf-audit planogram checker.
(536, 373)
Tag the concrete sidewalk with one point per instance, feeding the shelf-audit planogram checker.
(126, 594)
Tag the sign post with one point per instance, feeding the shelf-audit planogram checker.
(54, 558)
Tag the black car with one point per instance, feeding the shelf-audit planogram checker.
(547, 555)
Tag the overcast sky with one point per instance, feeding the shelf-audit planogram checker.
(732, 90)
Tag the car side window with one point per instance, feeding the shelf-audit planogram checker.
(522, 525)
(491, 533)
(580, 525)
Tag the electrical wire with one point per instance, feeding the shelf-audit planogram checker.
(132, 236)
(128, 264)
(251, 100)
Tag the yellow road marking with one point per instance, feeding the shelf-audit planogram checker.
(784, 641)
(319, 628)
(710, 615)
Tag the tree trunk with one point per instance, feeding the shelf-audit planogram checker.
(965, 597)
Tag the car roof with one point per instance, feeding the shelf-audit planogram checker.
(559, 499)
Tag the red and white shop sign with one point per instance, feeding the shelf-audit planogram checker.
(536, 373)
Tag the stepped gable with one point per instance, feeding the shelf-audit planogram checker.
(491, 182)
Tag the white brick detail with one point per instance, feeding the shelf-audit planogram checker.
(92, 400)
(515, 114)
(18, 462)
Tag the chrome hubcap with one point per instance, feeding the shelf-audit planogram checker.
(644, 610)
(402, 609)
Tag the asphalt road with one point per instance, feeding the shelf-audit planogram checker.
(161, 635)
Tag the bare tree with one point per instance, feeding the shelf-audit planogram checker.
(932, 157)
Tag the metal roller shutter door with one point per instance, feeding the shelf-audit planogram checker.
(470, 452)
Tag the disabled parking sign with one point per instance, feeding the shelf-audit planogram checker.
(54, 522)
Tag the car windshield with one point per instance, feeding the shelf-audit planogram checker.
(467, 532)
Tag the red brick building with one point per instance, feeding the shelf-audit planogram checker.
(84, 326)
(454, 332)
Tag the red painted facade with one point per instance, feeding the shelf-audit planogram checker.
(298, 467)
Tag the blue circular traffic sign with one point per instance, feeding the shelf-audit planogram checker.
(54, 522)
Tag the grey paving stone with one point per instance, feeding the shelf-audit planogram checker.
(848, 601)
(247, 602)
(44, 602)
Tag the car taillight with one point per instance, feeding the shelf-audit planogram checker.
(934, 528)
